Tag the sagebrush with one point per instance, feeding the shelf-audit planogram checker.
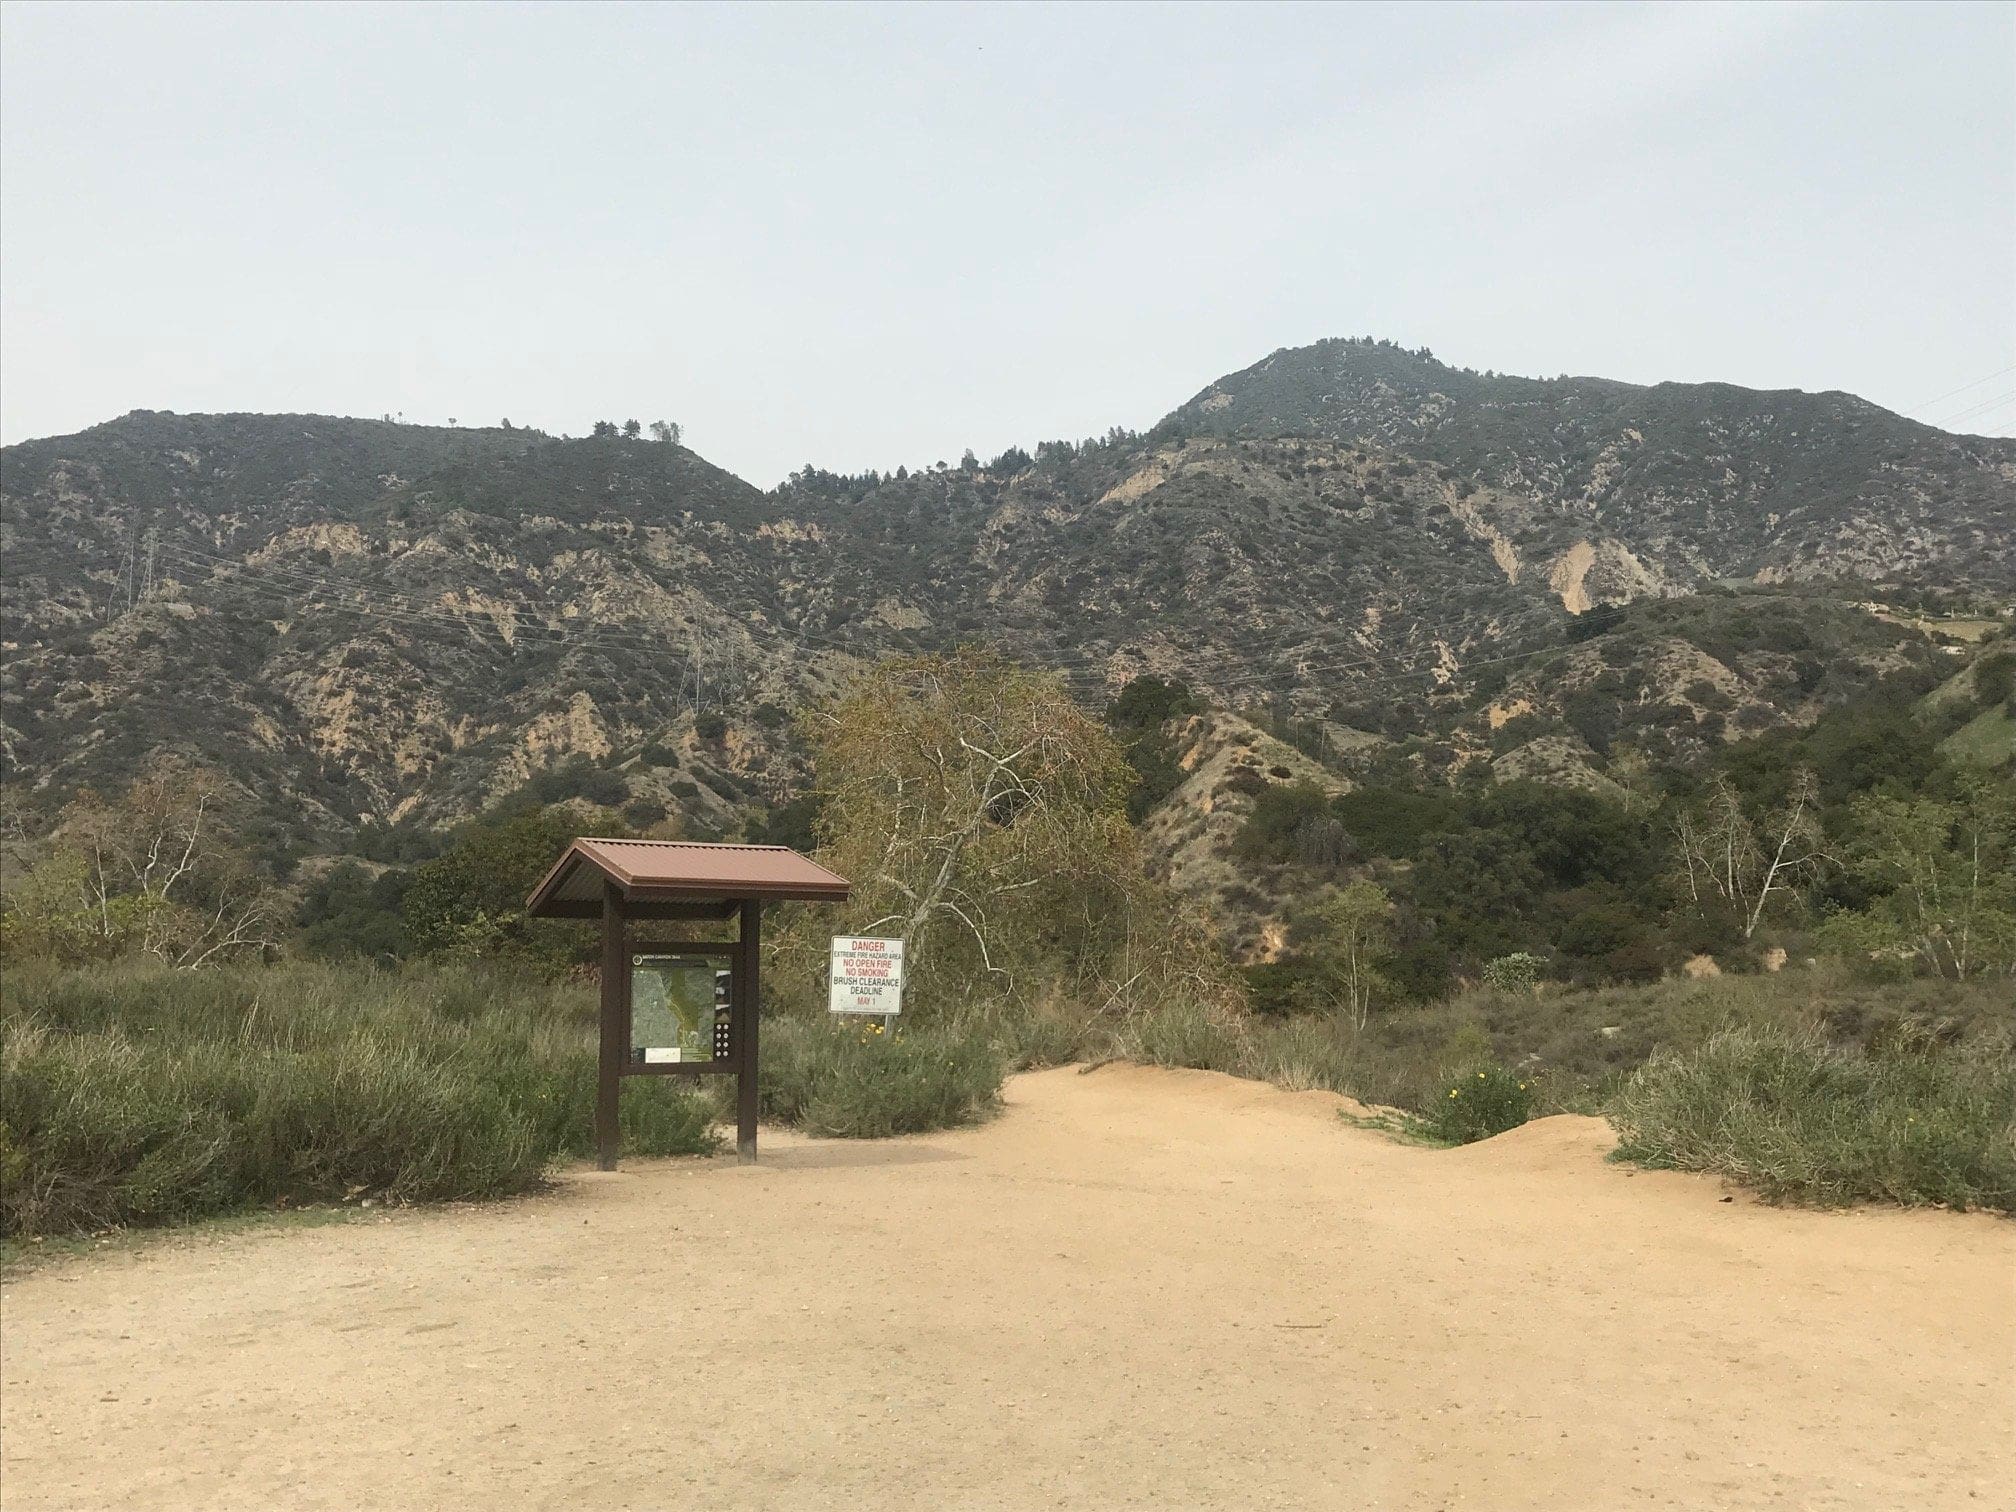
(856, 1079)
(1913, 1121)
(142, 1095)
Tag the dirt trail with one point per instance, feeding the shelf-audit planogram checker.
(1134, 1289)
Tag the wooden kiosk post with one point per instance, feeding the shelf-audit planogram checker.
(630, 883)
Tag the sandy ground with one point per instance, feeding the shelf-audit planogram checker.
(1134, 1289)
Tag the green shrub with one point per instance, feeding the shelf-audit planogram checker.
(1914, 1121)
(1269, 833)
(470, 900)
(1517, 972)
(1488, 1099)
(1995, 678)
(851, 1079)
(1294, 984)
(146, 1095)
(658, 1117)
(642, 813)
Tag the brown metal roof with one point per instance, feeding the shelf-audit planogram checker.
(677, 869)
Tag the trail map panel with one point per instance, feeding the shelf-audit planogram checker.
(866, 976)
(672, 1010)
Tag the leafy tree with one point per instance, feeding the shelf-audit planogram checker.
(577, 777)
(1139, 716)
(1294, 823)
(957, 790)
(1475, 887)
(632, 430)
(1574, 837)
(1945, 877)
(1596, 716)
(605, 789)
(349, 912)
(666, 431)
(978, 813)
(1353, 931)
(1995, 678)
(643, 813)
(793, 823)
(470, 900)
(1390, 821)
(1149, 701)
(1517, 731)
(1876, 743)
(1611, 936)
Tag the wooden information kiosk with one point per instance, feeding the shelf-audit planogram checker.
(632, 883)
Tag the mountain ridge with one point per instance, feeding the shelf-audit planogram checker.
(372, 623)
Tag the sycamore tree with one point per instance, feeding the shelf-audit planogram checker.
(1740, 858)
(154, 870)
(981, 817)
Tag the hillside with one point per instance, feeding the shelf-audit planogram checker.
(1625, 488)
(371, 617)
(368, 623)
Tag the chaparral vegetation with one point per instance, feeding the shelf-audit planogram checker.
(186, 1033)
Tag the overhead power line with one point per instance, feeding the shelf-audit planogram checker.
(1988, 406)
(1950, 393)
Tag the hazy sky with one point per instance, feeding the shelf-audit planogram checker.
(860, 236)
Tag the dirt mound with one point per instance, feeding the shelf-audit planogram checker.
(1564, 1142)
(1216, 1090)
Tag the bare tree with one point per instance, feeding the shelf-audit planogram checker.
(157, 872)
(1744, 860)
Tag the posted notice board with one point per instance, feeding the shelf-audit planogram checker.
(866, 976)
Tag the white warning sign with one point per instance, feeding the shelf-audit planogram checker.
(866, 976)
